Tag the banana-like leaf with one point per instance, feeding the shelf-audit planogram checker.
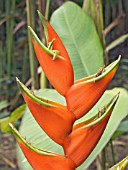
(4, 104)
(36, 136)
(122, 128)
(16, 114)
(94, 9)
(78, 33)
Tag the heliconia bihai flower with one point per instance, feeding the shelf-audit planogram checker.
(86, 135)
(84, 94)
(52, 117)
(57, 120)
(40, 159)
(54, 59)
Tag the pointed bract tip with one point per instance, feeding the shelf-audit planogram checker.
(22, 140)
(40, 15)
(14, 130)
(32, 32)
(11, 126)
(17, 79)
(41, 45)
(119, 58)
(38, 11)
(115, 98)
(30, 29)
(118, 93)
(108, 69)
(19, 82)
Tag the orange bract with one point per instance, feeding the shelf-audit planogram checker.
(85, 136)
(58, 71)
(51, 35)
(40, 159)
(82, 141)
(82, 96)
(53, 118)
(47, 162)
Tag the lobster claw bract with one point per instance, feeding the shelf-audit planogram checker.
(40, 159)
(54, 60)
(84, 94)
(52, 117)
(50, 35)
(84, 138)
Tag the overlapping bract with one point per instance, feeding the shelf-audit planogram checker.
(57, 120)
(85, 135)
(82, 96)
(52, 117)
(77, 145)
(40, 159)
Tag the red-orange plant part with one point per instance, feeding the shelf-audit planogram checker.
(40, 159)
(82, 141)
(83, 95)
(77, 146)
(54, 59)
(57, 120)
(51, 34)
(52, 117)
(84, 138)
(58, 71)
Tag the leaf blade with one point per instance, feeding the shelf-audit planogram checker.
(79, 28)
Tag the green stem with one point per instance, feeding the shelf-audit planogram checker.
(107, 157)
(1, 62)
(12, 46)
(10, 7)
(99, 163)
(43, 79)
(112, 150)
(31, 51)
(47, 9)
(24, 66)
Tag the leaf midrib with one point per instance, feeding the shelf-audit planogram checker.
(85, 67)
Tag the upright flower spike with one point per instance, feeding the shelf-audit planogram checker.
(84, 137)
(84, 94)
(40, 159)
(52, 117)
(50, 35)
(54, 60)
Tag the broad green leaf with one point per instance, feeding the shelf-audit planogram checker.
(122, 128)
(78, 33)
(4, 104)
(122, 165)
(94, 9)
(36, 136)
(16, 114)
